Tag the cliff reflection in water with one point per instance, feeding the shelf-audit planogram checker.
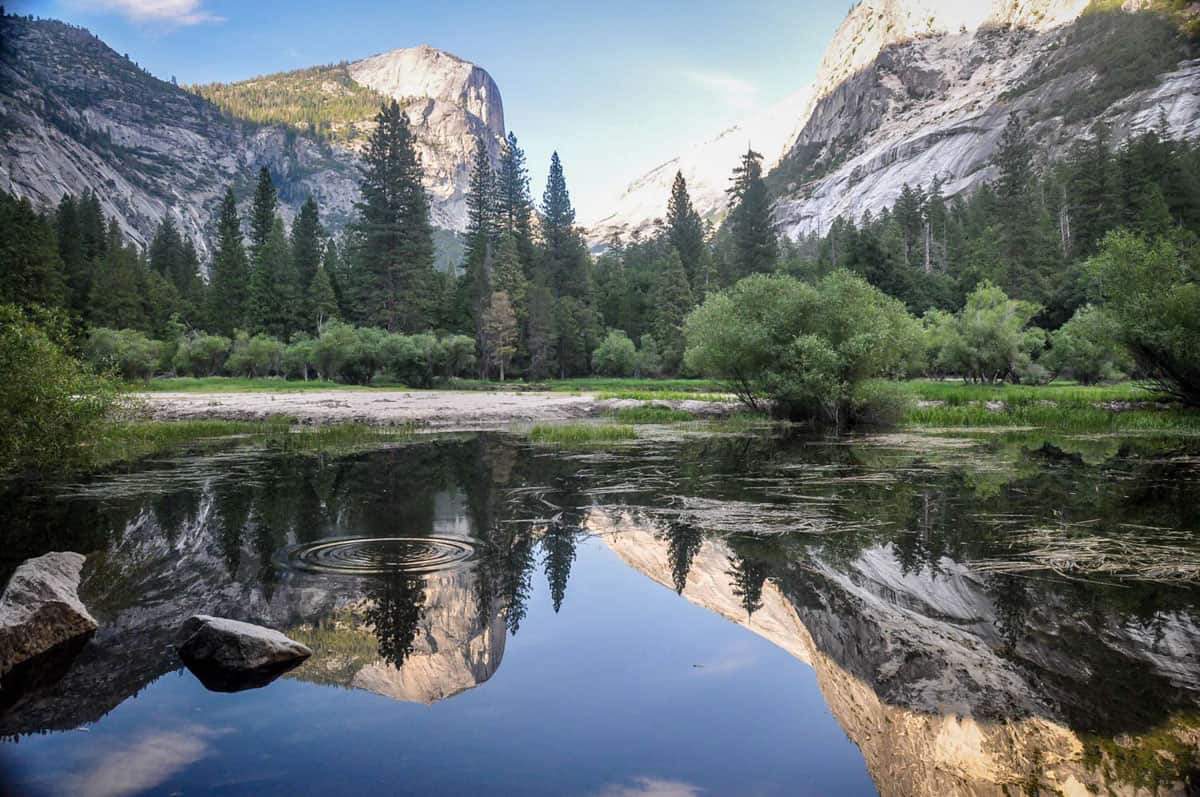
(866, 560)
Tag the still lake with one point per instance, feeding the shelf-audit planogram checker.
(692, 613)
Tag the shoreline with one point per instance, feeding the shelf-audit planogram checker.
(428, 409)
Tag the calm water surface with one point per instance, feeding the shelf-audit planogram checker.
(690, 614)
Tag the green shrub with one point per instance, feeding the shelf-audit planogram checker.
(50, 403)
(805, 348)
(988, 341)
(1087, 348)
(256, 356)
(201, 354)
(615, 356)
(126, 352)
(1152, 292)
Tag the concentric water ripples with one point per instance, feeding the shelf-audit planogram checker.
(377, 555)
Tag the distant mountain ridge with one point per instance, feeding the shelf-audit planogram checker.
(79, 117)
(913, 90)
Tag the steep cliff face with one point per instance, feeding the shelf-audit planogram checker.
(77, 116)
(910, 91)
(911, 666)
(913, 106)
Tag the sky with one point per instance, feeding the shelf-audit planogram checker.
(616, 88)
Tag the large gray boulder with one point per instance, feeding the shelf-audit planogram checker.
(229, 655)
(40, 609)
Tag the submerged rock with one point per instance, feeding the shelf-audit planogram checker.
(229, 655)
(40, 609)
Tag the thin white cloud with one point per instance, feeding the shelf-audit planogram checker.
(728, 89)
(173, 13)
(143, 763)
(650, 787)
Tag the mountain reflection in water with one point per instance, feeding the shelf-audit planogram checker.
(882, 563)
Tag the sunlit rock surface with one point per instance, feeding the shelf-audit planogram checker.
(911, 668)
(909, 91)
(78, 116)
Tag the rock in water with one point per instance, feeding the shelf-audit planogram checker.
(40, 608)
(229, 655)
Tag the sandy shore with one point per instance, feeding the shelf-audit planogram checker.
(442, 409)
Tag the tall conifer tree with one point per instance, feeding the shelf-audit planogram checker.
(755, 249)
(394, 241)
(229, 275)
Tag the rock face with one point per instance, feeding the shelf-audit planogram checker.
(909, 95)
(229, 655)
(452, 104)
(913, 90)
(77, 116)
(40, 608)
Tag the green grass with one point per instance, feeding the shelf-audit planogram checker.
(581, 434)
(645, 415)
(1070, 418)
(129, 442)
(957, 392)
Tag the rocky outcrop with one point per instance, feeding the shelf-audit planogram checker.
(229, 655)
(77, 117)
(903, 101)
(452, 105)
(910, 91)
(40, 609)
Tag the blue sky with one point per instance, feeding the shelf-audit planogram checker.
(615, 87)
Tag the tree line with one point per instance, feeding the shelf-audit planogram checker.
(530, 300)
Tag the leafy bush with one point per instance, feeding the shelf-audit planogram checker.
(615, 356)
(298, 357)
(988, 341)
(336, 346)
(256, 356)
(50, 403)
(806, 348)
(126, 352)
(1087, 348)
(1152, 292)
(649, 360)
(458, 355)
(201, 354)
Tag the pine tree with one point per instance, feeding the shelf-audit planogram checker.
(229, 274)
(276, 307)
(686, 230)
(31, 270)
(262, 213)
(77, 269)
(307, 242)
(507, 274)
(394, 243)
(755, 249)
(563, 252)
(93, 227)
(514, 204)
(1014, 160)
(481, 233)
(673, 301)
(116, 299)
(558, 546)
(322, 301)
